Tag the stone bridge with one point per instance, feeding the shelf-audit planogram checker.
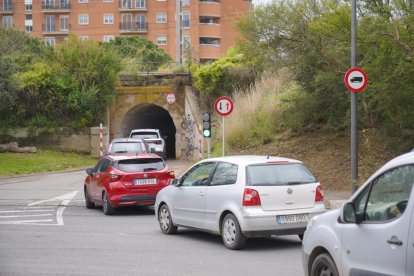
(141, 103)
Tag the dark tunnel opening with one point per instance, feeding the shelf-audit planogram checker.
(151, 116)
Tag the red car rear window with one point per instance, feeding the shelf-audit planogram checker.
(141, 165)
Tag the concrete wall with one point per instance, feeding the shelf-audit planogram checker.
(85, 140)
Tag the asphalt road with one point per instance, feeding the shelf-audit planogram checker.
(45, 229)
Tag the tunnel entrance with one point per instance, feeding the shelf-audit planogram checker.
(151, 116)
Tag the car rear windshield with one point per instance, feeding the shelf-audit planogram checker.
(125, 147)
(278, 174)
(145, 135)
(141, 165)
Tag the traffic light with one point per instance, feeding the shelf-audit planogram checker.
(206, 125)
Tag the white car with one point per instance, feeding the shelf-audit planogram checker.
(373, 233)
(153, 138)
(239, 197)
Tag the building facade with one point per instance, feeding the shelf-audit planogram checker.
(206, 31)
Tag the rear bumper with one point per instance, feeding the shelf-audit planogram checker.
(257, 223)
(132, 200)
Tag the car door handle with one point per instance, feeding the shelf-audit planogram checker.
(394, 240)
(201, 194)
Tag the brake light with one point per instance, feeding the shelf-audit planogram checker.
(319, 194)
(158, 142)
(171, 174)
(251, 197)
(114, 177)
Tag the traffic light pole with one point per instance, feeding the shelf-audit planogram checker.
(208, 148)
(354, 108)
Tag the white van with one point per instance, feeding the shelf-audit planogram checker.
(373, 233)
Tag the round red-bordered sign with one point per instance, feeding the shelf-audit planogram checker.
(356, 79)
(170, 98)
(223, 106)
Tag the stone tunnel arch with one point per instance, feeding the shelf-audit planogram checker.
(148, 115)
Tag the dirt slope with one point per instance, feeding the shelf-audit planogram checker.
(328, 155)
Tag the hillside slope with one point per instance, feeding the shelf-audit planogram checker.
(328, 155)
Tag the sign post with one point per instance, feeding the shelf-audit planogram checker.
(355, 80)
(223, 106)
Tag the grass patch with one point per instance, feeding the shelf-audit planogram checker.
(42, 161)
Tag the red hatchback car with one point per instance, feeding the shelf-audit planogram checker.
(126, 180)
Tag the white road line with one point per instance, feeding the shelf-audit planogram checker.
(27, 210)
(68, 196)
(26, 221)
(23, 216)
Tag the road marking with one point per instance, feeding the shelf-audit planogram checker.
(60, 201)
(27, 210)
(23, 216)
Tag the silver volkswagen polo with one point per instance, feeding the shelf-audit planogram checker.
(240, 197)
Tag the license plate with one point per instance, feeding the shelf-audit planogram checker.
(299, 218)
(145, 181)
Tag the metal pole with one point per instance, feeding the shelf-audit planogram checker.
(178, 10)
(354, 101)
(208, 148)
(223, 134)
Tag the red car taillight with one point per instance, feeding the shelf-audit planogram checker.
(114, 177)
(251, 197)
(171, 174)
(158, 142)
(319, 194)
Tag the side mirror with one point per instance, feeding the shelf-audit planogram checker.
(89, 171)
(164, 137)
(349, 214)
(175, 182)
(152, 150)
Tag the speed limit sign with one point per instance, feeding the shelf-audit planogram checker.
(170, 97)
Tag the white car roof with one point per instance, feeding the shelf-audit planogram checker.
(145, 130)
(252, 159)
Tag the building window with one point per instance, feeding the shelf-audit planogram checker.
(83, 1)
(161, 40)
(108, 1)
(83, 19)
(140, 3)
(50, 41)
(108, 38)
(64, 22)
(83, 37)
(186, 42)
(209, 20)
(186, 3)
(209, 41)
(7, 21)
(28, 23)
(108, 18)
(161, 17)
(28, 5)
(185, 20)
(50, 23)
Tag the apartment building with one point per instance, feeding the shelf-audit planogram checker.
(206, 31)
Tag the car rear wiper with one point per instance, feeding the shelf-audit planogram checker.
(297, 182)
(121, 151)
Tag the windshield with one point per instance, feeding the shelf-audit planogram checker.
(126, 147)
(141, 165)
(145, 135)
(278, 174)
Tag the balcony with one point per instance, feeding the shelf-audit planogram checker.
(133, 27)
(55, 7)
(53, 30)
(128, 6)
(210, 8)
(6, 9)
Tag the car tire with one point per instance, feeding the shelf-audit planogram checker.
(89, 203)
(165, 220)
(323, 265)
(107, 208)
(231, 233)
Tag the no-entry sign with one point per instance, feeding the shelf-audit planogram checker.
(356, 79)
(224, 106)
